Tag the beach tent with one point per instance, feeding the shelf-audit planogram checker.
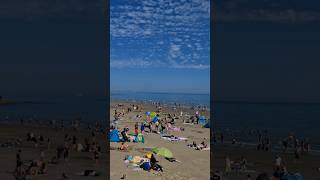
(114, 136)
(139, 138)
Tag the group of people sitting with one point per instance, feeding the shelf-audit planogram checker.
(200, 146)
(147, 163)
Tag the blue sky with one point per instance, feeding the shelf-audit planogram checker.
(160, 45)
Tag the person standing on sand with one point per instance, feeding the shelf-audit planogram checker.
(249, 177)
(142, 128)
(74, 142)
(228, 165)
(278, 161)
(96, 156)
(136, 127)
(66, 151)
(221, 137)
(18, 159)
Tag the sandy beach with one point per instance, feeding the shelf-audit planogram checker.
(193, 164)
(75, 163)
(261, 161)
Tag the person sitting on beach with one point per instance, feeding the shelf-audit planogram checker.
(201, 146)
(18, 159)
(32, 169)
(154, 165)
(42, 167)
(123, 147)
(216, 176)
(20, 173)
(124, 135)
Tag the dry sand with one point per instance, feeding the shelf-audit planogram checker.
(77, 162)
(262, 161)
(194, 164)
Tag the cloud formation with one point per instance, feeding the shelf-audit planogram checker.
(173, 32)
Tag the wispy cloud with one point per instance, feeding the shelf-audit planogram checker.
(175, 32)
(139, 63)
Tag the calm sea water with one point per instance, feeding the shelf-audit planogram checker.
(278, 118)
(90, 109)
(165, 98)
(42, 108)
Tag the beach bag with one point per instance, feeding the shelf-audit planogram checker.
(146, 166)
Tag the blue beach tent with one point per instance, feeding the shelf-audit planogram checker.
(114, 136)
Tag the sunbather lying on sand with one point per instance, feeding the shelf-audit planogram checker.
(201, 146)
(89, 173)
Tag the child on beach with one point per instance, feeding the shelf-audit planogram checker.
(136, 126)
(123, 147)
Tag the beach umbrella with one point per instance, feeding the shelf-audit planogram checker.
(153, 114)
(161, 151)
(148, 113)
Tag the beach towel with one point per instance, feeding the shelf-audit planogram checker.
(173, 128)
(173, 138)
(139, 138)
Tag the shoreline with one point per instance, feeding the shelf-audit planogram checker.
(193, 164)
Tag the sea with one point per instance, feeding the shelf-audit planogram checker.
(185, 99)
(278, 119)
(88, 108)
